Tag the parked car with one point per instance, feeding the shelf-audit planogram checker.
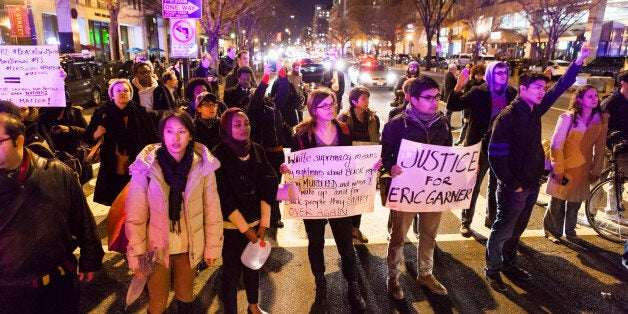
(312, 72)
(556, 67)
(519, 66)
(118, 69)
(372, 74)
(606, 66)
(402, 58)
(85, 82)
(460, 59)
(486, 59)
(435, 61)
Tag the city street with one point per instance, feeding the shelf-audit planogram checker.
(567, 278)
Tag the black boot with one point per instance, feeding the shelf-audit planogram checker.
(356, 302)
(184, 307)
(321, 289)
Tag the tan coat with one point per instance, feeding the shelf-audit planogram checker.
(577, 152)
(147, 223)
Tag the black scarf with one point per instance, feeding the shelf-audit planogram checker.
(127, 143)
(176, 175)
(422, 118)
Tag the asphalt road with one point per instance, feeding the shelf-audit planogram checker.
(567, 278)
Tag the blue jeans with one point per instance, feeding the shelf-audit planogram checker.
(513, 213)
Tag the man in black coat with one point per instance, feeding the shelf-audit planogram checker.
(166, 96)
(517, 158)
(482, 103)
(205, 71)
(45, 217)
(227, 63)
(238, 95)
(335, 79)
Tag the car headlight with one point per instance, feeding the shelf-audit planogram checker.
(391, 77)
(365, 77)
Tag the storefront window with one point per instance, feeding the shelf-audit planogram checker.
(99, 38)
(51, 29)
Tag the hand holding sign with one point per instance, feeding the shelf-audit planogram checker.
(431, 178)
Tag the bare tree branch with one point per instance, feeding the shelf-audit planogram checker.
(552, 18)
(432, 13)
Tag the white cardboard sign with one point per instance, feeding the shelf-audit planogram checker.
(435, 178)
(30, 77)
(334, 181)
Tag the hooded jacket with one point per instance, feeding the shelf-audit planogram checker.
(147, 223)
(515, 152)
(478, 103)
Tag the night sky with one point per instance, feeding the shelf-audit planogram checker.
(304, 10)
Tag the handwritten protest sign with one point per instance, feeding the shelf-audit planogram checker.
(335, 182)
(434, 178)
(29, 76)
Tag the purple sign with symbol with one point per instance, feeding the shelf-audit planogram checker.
(183, 9)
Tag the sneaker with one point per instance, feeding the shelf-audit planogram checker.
(496, 282)
(516, 272)
(394, 288)
(465, 231)
(357, 234)
(432, 283)
(617, 217)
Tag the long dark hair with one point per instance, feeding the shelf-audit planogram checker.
(180, 115)
(576, 107)
(313, 100)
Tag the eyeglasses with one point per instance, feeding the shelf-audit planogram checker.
(500, 73)
(327, 106)
(431, 98)
(208, 104)
(6, 139)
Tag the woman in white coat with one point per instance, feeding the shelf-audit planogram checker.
(173, 208)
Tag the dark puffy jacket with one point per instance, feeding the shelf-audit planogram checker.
(52, 222)
(617, 106)
(402, 127)
(267, 125)
(515, 151)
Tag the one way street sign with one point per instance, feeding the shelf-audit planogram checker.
(189, 9)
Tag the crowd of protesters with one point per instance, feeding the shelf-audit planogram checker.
(202, 175)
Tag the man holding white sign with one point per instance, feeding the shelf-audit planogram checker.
(420, 122)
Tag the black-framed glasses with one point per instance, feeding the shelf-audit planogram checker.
(6, 139)
(431, 98)
(327, 106)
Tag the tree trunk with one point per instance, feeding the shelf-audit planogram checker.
(428, 61)
(212, 48)
(114, 37)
